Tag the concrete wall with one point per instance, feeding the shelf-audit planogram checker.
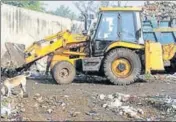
(25, 26)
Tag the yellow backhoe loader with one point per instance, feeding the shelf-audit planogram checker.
(114, 48)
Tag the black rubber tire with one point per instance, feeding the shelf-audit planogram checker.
(133, 59)
(56, 72)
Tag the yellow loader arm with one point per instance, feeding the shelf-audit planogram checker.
(51, 44)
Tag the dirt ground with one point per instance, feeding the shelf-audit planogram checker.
(78, 101)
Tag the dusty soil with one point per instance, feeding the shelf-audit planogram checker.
(78, 101)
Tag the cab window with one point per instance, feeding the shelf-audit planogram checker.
(128, 30)
(107, 29)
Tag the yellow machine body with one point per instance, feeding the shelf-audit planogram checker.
(120, 9)
(125, 45)
(53, 43)
(155, 53)
(60, 45)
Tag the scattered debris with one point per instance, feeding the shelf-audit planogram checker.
(22, 109)
(63, 104)
(114, 104)
(74, 114)
(66, 96)
(91, 113)
(102, 96)
(130, 112)
(140, 111)
(37, 95)
(5, 107)
(49, 111)
(163, 10)
(36, 105)
(173, 77)
(5, 111)
(163, 103)
(110, 96)
(126, 105)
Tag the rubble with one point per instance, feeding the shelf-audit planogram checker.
(171, 77)
(130, 112)
(110, 96)
(163, 103)
(49, 111)
(162, 10)
(102, 96)
(74, 114)
(5, 111)
(116, 102)
(66, 96)
(11, 110)
(91, 113)
(140, 111)
(129, 106)
(5, 107)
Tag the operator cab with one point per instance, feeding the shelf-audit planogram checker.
(115, 24)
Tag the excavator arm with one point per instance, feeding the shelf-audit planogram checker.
(60, 41)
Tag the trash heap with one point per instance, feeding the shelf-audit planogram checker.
(132, 107)
(11, 109)
(163, 103)
(162, 10)
(120, 103)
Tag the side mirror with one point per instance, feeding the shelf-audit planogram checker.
(91, 31)
(138, 33)
(84, 32)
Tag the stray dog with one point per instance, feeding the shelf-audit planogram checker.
(11, 83)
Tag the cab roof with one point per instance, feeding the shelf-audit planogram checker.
(120, 9)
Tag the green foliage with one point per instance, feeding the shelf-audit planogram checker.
(64, 11)
(29, 4)
(35, 5)
(148, 76)
(39, 6)
(15, 3)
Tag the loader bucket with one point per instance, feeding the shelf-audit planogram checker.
(14, 56)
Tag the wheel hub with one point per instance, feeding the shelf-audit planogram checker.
(121, 67)
(64, 73)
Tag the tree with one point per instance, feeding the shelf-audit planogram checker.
(29, 4)
(36, 5)
(62, 11)
(104, 3)
(15, 3)
(65, 12)
(86, 7)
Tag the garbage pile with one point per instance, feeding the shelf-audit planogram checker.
(162, 10)
(164, 103)
(172, 77)
(120, 104)
(10, 109)
(148, 108)
(5, 107)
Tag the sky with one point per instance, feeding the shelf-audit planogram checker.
(52, 5)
